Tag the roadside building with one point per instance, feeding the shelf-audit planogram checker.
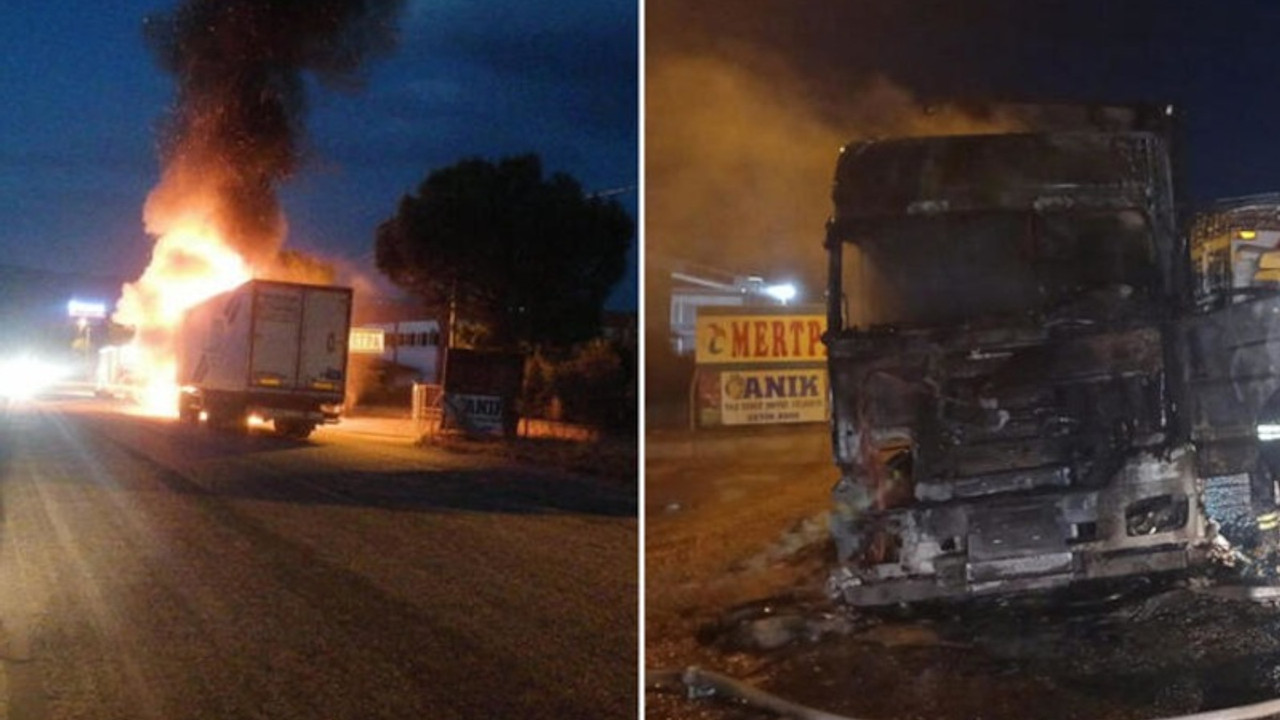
(415, 344)
(621, 328)
(694, 287)
(412, 339)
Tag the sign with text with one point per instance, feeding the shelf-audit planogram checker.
(757, 338)
(478, 414)
(755, 397)
(367, 341)
(480, 390)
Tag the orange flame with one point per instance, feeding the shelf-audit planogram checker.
(210, 239)
(189, 264)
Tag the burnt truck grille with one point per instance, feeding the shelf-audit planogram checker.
(972, 470)
(1143, 521)
(949, 422)
(1003, 533)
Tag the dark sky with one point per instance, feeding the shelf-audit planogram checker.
(765, 74)
(84, 99)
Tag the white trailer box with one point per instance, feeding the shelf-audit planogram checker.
(272, 349)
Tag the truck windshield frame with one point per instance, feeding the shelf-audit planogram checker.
(959, 267)
(1084, 211)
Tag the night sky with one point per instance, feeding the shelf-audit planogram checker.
(747, 109)
(84, 101)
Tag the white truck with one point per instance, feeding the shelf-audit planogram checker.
(272, 350)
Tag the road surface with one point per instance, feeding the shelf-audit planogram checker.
(149, 570)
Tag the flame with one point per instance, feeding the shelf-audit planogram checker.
(190, 263)
(230, 140)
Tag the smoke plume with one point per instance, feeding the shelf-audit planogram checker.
(234, 132)
(740, 154)
(233, 135)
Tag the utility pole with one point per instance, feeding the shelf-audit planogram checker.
(449, 334)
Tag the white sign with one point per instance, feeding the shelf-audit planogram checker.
(476, 413)
(88, 310)
(758, 397)
(367, 341)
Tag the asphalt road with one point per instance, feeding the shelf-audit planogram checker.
(149, 570)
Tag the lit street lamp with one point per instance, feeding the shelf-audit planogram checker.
(783, 292)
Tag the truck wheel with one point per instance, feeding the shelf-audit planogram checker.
(187, 411)
(296, 429)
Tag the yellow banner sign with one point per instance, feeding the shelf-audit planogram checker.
(758, 339)
(367, 341)
(758, 397)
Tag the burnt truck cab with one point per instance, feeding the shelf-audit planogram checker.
(1006, 348)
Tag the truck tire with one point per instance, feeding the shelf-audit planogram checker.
(187, 411)
(296, 429)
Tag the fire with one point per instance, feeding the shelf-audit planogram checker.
(231, 138)
(189, 264)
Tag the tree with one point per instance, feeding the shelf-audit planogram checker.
(531, 258)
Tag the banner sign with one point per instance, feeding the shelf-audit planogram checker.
(478, 414)
(759, 338)
(754, 397)
(367, 341)
(480, 391)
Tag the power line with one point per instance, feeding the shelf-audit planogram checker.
(613, 191)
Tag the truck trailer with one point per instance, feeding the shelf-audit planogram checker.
(1027, 392)
(272, 350)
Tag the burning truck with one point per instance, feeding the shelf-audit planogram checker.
(232, 137)
(1031, 384)
(271, 350)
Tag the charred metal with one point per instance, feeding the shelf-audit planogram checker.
(1031, 383)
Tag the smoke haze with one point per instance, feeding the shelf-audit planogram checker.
(740, 154)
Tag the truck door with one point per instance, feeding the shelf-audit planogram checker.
(325, 319)
(277, 325)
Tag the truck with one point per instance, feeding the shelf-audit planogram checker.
(1027, 389)
(275, 351)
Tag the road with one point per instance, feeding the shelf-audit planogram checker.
(722, 531)
(148, 570)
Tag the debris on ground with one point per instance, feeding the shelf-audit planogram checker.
(773, 623)
(807, 534)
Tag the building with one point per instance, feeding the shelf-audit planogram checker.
(693, 288)
(413, 343)
(620, 327)
(411, 337)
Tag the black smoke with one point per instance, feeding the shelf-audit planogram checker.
(235, 130)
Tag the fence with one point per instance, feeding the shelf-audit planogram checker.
(426, 407)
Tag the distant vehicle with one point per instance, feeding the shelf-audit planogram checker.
(1027, 391)
(271, 350)
(113, 375)
(26, 376)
